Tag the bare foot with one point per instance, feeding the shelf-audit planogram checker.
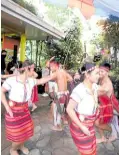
(34, 107)
(101, 140)
(24, 150)
(56, 128)
(112, 138)
(13, 152)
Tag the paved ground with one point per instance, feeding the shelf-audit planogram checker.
(47, 142)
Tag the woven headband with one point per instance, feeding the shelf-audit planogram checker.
(27, 67)
(104, 68)
(91, 69)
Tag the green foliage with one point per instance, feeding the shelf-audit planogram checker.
(115, 73)
(112, 33)
(57, 15)
(111, 28)
(26, 5)
(98, 41)
(68, 50)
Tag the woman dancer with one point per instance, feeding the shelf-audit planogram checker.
(34, 96)
(18, 123)
(82, 109)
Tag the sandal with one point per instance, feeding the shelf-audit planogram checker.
(13, 152)
(24, 150)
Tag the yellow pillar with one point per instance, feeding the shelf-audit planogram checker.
(22, 47)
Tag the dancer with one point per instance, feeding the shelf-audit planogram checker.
(61, 97)
(108, 103)
(34, 96)
(18, 123)
(83, 111)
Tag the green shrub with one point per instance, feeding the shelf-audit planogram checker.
(115, 73)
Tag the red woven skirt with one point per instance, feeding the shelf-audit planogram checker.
(85, 144)
(34, 96)
(106, 109)
(20, 127)
(115, 102)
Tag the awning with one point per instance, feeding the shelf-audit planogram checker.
(91, 7)
(16, 19)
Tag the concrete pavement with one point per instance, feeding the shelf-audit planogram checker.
(48, 142)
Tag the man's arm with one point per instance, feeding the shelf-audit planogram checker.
(46, 79)
(7, 76)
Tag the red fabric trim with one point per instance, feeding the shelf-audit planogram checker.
(20, 127)
(104, 68)
(85, 144)
(106, 109)
(34, 96)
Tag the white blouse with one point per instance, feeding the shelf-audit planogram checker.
(86, 102)
(18, 91)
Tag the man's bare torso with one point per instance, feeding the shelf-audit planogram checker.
(62, 79)
(107, 84)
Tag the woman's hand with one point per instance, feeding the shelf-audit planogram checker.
(85, 130)
(9, 111)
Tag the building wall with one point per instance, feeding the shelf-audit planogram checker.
(8, 45)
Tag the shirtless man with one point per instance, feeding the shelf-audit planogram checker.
(61, 77)
(108, 102)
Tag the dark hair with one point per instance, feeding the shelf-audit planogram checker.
(79, 71)
(20, 64)
(27, 63)
(3, 51)
(89, 67)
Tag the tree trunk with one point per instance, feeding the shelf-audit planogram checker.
(115, 56)
(37, 43)
(31, 49)
(41, 48)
